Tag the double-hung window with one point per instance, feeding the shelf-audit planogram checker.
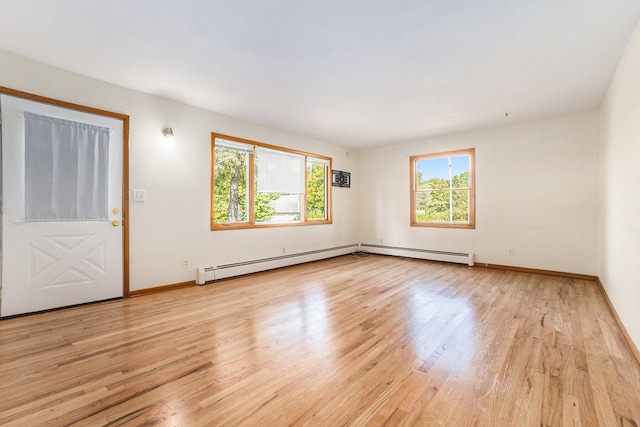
(256, 185)
(442, 189)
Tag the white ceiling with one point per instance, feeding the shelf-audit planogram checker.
(358, 73)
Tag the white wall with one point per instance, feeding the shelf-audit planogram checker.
(536, 186)
(619, 232)
(536, 192)
(173, 223)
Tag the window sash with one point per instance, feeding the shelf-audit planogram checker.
(312, 202)
(242, 207)
(451, 213)
(450, 195)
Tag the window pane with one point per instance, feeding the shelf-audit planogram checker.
(432, 206)
(433, 173)
(460, 205)
(278, 207)
(460, 171)
(316, 191)
(230, 185)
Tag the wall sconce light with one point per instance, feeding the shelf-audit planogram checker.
(168, 134)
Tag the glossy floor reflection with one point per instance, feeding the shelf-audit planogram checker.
(368, 340)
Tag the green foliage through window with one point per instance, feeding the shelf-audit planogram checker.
(316, 190)
(442, 189)
(230, 185)
(237, 199)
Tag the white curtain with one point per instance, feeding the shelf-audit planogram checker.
(66, 170)
(280, 172)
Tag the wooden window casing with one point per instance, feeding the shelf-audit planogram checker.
(251, 190)
(415, 191)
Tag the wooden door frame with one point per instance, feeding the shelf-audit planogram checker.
(125, 165)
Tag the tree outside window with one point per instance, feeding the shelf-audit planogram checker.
(258, 185)
(230, 196)
(442, 189)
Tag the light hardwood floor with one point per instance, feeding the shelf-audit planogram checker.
(355, 340)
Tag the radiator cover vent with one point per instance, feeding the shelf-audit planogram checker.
(205, 274)
(211, 273)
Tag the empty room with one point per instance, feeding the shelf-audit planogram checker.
(279, 213)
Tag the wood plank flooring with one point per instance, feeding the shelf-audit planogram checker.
(356, 341)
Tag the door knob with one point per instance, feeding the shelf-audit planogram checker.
(115, 223)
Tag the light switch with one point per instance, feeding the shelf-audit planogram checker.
(138, 195)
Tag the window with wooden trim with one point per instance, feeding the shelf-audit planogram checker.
(442, 189)
(260, 185)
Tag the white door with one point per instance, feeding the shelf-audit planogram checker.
(51, 264)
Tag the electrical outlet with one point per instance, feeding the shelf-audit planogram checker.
(284, 250)
(185, 263)
(512, 252)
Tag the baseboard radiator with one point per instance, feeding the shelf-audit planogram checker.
(457, 257)
(211, 273)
